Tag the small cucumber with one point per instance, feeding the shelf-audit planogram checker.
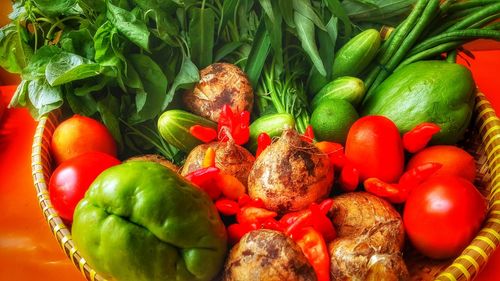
(272, 124)
(346, 88)
(174, 125)
(356, 54)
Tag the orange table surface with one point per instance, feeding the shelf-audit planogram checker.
(28, 251)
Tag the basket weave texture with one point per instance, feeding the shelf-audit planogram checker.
(483, 142)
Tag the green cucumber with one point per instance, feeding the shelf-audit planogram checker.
(346, 88)
(174, 125)
(356, 54)
(272, 124)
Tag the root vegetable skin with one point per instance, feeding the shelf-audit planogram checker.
(267, 255)
(220, 84)
(230, 158)
(370, 239)
(290, 174)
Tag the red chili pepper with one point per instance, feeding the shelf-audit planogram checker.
(326, 206)
(206, 179)
(236, 231)
(308, 135)
(392, 192)
(314, 248)
(254, 215)
(235, 125)
(263, 141)
(272, 224)
(349, 178)
(296, 221)
(419, 137)
(227, 207)
(205, 134)
(322, 223)
(419, 174)
(335, 152)
(245, 200)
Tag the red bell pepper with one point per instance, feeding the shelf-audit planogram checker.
(206, 179)
(263, 141)
(205, 134)
(314, 248)
(419, 137)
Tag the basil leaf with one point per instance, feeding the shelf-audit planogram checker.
(14, 52)
(79, 42)
(44, 97)
(129, 25)
(19, 98)
(56, 7)
(66, 67)
(109, 109)
(187, 76)
(84, 105)
(39, 61)
(201, 36)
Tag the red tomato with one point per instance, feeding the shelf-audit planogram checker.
(374, 147)
(442, 215)
(80, 134)
(456, 161)
(72, 178)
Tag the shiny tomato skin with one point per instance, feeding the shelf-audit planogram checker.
(374, 147)
(442, 216)
(72, 178)
(79, 134)
(456, 161)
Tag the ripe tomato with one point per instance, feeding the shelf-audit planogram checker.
(455, 161)
(72, 178)
(80, 134)
(375, 148)
(442, 215)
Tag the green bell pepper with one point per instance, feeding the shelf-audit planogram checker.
(142, 221)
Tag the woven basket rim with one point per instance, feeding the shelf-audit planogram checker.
(464, 267)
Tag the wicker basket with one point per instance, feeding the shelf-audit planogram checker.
(483, 142)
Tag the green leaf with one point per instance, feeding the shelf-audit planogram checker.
(306, 34)
(258, 55)
(91, 85)
(376, 10)
(149, 101)
(305, 8)
(163, 14)
(129, 25)
(14, 52)
(273, 21)
(19, 98)
(109, 109)
(84, 105)
(56, 7)
(39, 61)
(327, 44)
(44, 97)
(336, 8)
(66, 67)
(187, 76)
(287, 12)
(201, 35)
(227, 12)
(227, 49)
(79, 42)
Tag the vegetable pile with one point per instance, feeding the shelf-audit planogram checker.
(261, 140)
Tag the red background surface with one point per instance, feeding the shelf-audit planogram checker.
(28, 251)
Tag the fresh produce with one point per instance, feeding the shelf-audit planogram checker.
(230, 158)
(79, 134)
(71, 179)
(346, 88)
(453, 204)
(290, 174)
(174, 126)
(332, 119)
(370, 239)
(271, 124)
(375, 149)
(455, 161)
(356, 54)
(420, 136)
(159, 226)
(220, 84)
(267, 255)
(155, 158)
(426, 91)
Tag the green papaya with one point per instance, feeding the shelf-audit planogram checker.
(346, 88)
(426, 91)
(356, 54)
(174, 125)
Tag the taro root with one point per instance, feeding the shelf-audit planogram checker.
(370, 239)
(230, 158)
(290, 174)
(267, 255)
(220, 84)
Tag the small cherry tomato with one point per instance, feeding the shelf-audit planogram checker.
(80, 134)
(73, 177)
(442, 216)
(374, 147)
(456, 161)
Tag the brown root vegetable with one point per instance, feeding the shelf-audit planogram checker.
(220, 84)
(230, 158)
(370, 239)
(267, 255)
(155, 158)
(290, 174)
